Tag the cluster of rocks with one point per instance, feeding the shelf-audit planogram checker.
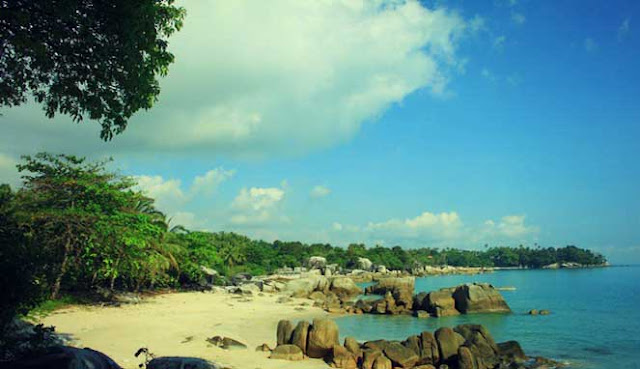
(421, 271)
(467, 346)
(399, 299)
(538, 312)
(332, 293)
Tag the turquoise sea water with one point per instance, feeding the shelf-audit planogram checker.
(595, 320)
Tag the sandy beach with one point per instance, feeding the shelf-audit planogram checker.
(178, 324)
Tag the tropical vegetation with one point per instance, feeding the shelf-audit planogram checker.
(75, 227)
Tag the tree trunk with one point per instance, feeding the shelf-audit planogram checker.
(63, 269)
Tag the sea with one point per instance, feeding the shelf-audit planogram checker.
(594, 321)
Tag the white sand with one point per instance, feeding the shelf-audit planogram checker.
(164, 323)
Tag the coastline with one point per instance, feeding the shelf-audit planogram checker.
(178, 324)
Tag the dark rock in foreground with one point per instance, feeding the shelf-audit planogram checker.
(64, 357)
(177, 362)
(467, 346)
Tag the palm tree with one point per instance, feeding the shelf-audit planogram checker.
(232, 254)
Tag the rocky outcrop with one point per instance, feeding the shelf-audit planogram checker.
(364, 264)
(317, 262)
(463, 299)
(345, 288)
(300, 334)
(323, 335)
(467, 346)
(479, 298)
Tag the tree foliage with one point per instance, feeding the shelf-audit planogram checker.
(88, 59)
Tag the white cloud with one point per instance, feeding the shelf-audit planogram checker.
(210, 181)
(8, 171)
(624, 28)
(273, 78)
(258, 205)
(437, 229)
(510, 226)
(319, 191)
(518, 18)
(590, 45)
(167, 193)
(186, 219)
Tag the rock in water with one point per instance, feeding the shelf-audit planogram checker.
(323, 335)
(479, 298)
(299, 335)
(284, 331)
(287, 352)
(345, 288)
(512, 351)
(400, 288)
(440, 303)
(400, 355)
(175, 362)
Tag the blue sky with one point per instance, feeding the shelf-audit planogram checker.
(421, 124)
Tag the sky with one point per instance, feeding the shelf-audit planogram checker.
(434, 123)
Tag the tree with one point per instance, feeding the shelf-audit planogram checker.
(92, 58)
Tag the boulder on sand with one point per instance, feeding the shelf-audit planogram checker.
(342, 358)
(299, 335)
(287, 352)
(479, 298)
(364, 264)
(323, 335)
(283, 332)
(317, 262)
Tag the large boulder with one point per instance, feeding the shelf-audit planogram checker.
(466, 359)
(511, 351)
(317, 262)
(401, 289)
(479, 298)
(345, 288)
(323, 335)
(353, 346)
(64, 357)
(303, 287)
(479, 341)
(400, 355)
(283, 332)
(299, 335)
(364, 264)
(382, 362)
(342, 358)
(287, 352)
(369, 357)
(429, 352)
(448, 343)
(440, 303)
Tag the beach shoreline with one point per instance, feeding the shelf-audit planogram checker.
(178, 324)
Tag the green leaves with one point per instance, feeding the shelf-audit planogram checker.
(87, 59)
